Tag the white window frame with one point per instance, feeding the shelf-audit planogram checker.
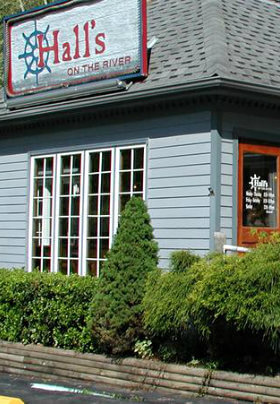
(31, 210)
(83, 214)
(111, 213)
(57, 194)
(117, 181)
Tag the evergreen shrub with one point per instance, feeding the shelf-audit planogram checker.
(48, 309)
(117, 308)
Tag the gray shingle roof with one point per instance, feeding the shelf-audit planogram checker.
(234, 39)
(200, 39)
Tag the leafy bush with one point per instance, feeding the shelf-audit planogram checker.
(181, 261)
(117, 308)
(244, 291)
(230, 304)
(49, 309)
(167, 317)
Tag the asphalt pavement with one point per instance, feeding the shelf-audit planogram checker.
(35, 391)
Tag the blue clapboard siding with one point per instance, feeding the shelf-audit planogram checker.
(227, 189)
(13, 209)
(178, 177)
(178, 201)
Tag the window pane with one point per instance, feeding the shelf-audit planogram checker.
(93, 205)
(46, 265)
(104, 227)
(259, 190)
(94, 163)
(62, 266)
(92, 227)
(76, 164)
(63, 247)
(123, 200)
(63, 227)
(37, 207)
(104, 247)
(76, 185)
(137, 181)
(49, 167)
(65, 183)
(93, 184)
(139, 158)
(125, 163)
(92, 268)
(75, 206)
(48, 187)
(64, 206)
(39, 167)
(37, 227)
(125, 182)
(92, 248)
(75, 227)
(47, 249)
(106, 161)
(74, 248)
(36, 263)
(74, 266)
(38, 187)
(36, 250)
(65, 164)
(105, 205)
(105, 183)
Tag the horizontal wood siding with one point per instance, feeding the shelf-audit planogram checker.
(179, 175)
(13, 209)
(227, 189)
(178, 201)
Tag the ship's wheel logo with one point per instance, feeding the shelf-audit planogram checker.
(31, 53)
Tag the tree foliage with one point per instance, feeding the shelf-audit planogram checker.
(117, 309)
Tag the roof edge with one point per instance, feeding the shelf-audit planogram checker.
(212, 85)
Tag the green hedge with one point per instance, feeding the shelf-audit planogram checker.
(233, 303)
(50, 309)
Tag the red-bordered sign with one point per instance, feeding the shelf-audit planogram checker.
(74, 42)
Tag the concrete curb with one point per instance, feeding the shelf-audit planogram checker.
(52, 363)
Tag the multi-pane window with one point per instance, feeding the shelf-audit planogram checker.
(75, 200)
(99, 212)
(42, 206)
(131, 174)
(69, 210)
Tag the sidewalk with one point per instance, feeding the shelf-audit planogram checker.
(21, 387)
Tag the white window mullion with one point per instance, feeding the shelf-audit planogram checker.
(69, 217)
(31, 214)
(54, 204)
(117, 186)
(82, 209)
(145, 173)
(85, 214)
(131, 172)
(112, 211)
(57, 205)
(43, 216)
(98, 214)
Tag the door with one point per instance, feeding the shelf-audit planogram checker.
(258, 204)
